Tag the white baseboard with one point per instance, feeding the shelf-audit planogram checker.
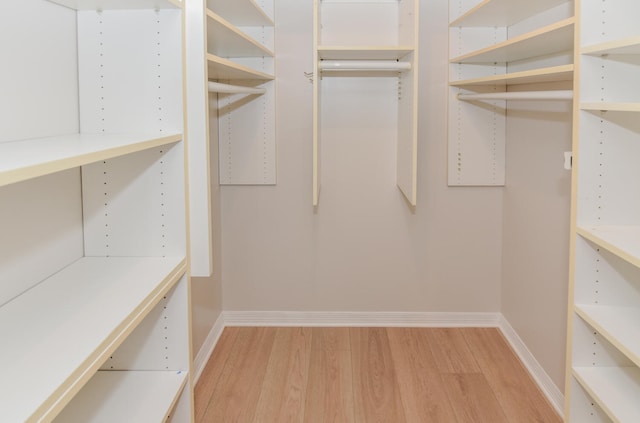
(382, 319)
(547, 386)
(361, 319)
(207, 348)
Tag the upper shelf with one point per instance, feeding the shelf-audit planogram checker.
(240, 12)
(220, 68)
(550, 39)
(622, 241)
(26, 159)
(363, 52)
(503, 12)
(552, 74)
(624, 46)
(83, 314)
(225, 40)
(119, 4)
(607, 106)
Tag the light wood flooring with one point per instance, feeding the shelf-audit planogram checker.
(390, 375)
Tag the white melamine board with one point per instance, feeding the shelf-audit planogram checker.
(223, 69)
(130, 71)
(241, 12)
(359, 23)
(83, 313)
(25, 159)
(198, 147)
(552, 74)
(134, 205)
(583, 408)
(40, 222)
(226, 40)
(629, 45)
(622, 241)
(609, 78)
(611, 107)
(615, 389)
(247, 152)
(161, 340)
(592, 349)
(119, 4)
(610, 20)
(125, 396)
(550, 39)
(618, 324)
(364, 52)
(501, 12)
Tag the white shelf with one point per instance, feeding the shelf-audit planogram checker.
(622, 241)
(83, 313)
(553, 38)
(217, 87)
(503, 12)
(611, 107)
(241, 12)
(119, 4)
(25, 159)
(618, 324)
(126, 396)
(225, 40)
(363, 52)
(552, 74)
(220, 68)
(615, 389)
(625, 46)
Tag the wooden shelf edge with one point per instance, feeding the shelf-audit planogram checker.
(620, 46)
(493, 7)
(238, 33)
(616, 250)
(610, 107)
(552, 74)
(247, 72)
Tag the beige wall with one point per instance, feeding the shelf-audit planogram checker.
(537, 202)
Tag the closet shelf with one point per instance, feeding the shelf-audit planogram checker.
(616, 323)
(550, 39)
(552, 74)
(221, 68)
(364, 66)
(615, 389)
(225, 40)
(119, 4)
(363, 52)
(564, 95)
(622, 241)
(26, 159)
(611, 107)
(629, 45)
(503, 12)
(91, 306)
(241, 12)
(217, 87)
(119, 396)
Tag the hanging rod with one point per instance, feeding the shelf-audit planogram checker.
(217, 87)
(522, 95)
(364, 65)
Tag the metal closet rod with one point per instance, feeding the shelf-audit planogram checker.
(521, 95)
(218, 87)
(364, 65)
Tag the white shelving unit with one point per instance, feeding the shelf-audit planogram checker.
(603, 354)
(496, 44)
(240, 52)
(364, 39)
(94, 285)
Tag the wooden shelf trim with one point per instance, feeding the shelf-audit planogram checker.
(629, 45)
(241, 12)
(611, 107)
(617, 324)
(84, 312)
(552, 74)
(503, 12)
(121, 396)
(615, 389)
(363, 52)
(622, 241)
(26, 159)
(226, 40)
(221, 68)
(550, 39)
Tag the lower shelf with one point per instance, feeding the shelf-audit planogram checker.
(615, 389)
(126, 396)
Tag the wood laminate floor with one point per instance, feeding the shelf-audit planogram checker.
(390, 375)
